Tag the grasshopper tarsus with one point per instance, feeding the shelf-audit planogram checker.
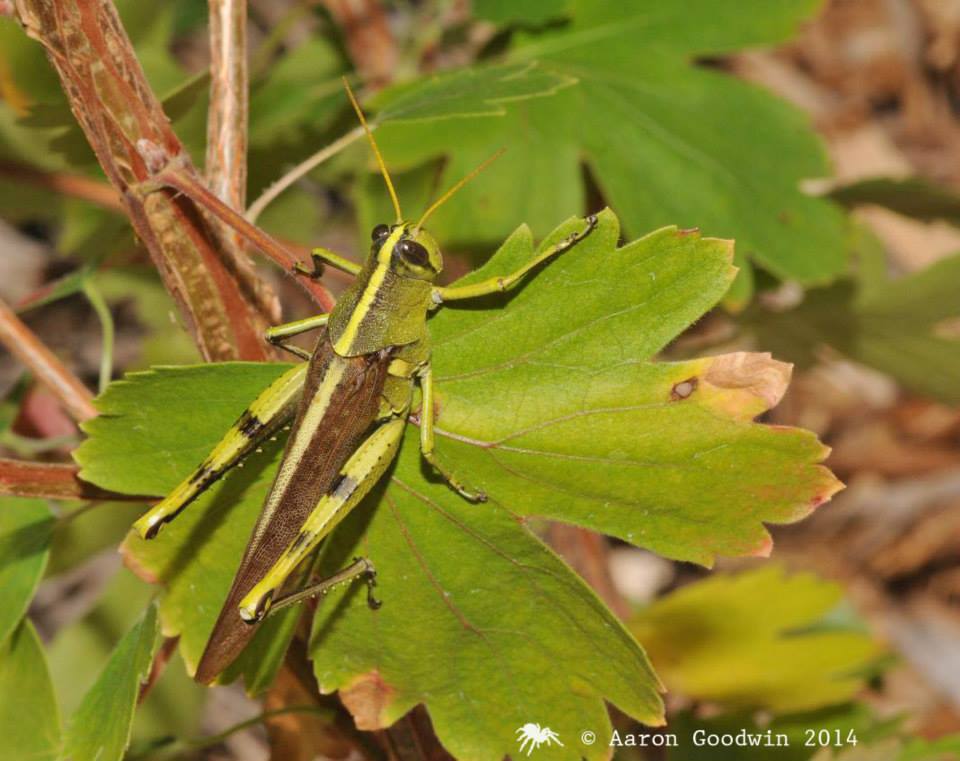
(369, 575)
(371, 580)
(314, 273)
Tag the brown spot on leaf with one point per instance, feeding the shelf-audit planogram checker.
(683, 389)
(688, 231)
(367, 698)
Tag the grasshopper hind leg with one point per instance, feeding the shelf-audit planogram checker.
(360, 568)
(356, 478)
(260, 420)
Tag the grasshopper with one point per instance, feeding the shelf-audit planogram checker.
(350, 401)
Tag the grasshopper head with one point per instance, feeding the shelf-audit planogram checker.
(408, 250)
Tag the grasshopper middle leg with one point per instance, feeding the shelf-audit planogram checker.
(427, 435)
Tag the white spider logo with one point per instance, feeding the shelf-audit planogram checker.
(536, 736)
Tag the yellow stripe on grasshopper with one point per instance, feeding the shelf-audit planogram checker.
(357, 477)
(262, 417)
(344, 342)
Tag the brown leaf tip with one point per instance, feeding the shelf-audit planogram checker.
(764, 547)
(684, 389)
(758, 375)
(683, 231)
(367, 698)
(133, 562)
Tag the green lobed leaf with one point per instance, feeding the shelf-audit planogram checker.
(692, 147)
(100, 728)
(559, 413)
(26, 527)
(480, 621)
(549, 402)
(29, 716)
(478, 91)
(757, 639)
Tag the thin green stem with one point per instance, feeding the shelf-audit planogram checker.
(24, 446)
(107, 327)
(301, 169)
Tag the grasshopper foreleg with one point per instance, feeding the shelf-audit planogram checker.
(322, 257)
(261, 419)
(506, 282)
(278, 335)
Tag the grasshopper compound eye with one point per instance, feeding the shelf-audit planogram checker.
(412, 252)
(379, 233)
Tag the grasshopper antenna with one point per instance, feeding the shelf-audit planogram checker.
(446, 196)
(376, 151)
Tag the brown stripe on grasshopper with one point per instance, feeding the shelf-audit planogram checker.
(349, 407)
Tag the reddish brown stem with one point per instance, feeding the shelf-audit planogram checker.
(173, 177)
(52, 481)
(160, 660)
(218, 293)
(73, 185)
(24, 344)
(101, 194)
(226, 164)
